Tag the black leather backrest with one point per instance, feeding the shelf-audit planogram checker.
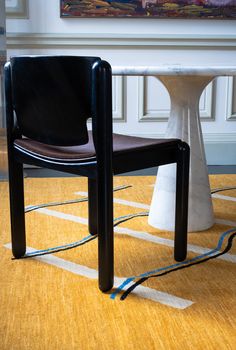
(52, 97)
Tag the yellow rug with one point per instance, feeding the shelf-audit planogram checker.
(53, 301)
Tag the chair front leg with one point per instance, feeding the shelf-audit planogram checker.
(181, 211)
(17, 209)
(105, 231)
(92, 206)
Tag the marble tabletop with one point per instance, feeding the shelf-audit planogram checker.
(175, 69)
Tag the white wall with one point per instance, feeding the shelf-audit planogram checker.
(141, 106)
(2, 59)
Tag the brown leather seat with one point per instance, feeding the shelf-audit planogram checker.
(121, 144)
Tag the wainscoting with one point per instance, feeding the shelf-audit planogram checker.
(141, 105)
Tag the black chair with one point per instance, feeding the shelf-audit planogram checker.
(48, 101)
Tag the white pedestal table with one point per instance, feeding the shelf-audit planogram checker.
(185, 85)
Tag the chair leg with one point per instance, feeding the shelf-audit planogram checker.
(17, 209)
(181, 211)
(92, 206)
(105, 232)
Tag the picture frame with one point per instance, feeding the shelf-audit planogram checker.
(16, 8)
(195, 9)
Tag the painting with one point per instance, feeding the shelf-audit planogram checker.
(215, 9)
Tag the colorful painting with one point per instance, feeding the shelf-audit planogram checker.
(150, 8)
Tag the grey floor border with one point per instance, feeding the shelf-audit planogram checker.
(212, 169)
(41, 173)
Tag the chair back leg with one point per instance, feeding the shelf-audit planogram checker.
(105, 230)
(17, 209)
(92, 206)
(181, 210)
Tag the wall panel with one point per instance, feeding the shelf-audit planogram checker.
(141, 105)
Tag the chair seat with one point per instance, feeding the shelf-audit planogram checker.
(82, 153)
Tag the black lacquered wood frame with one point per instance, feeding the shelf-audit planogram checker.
(28, 111)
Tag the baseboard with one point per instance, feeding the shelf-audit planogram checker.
(220, 154)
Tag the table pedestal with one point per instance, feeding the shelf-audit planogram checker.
(184, 123)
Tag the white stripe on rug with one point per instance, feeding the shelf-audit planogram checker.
(139, 234)
(225, 198)
(170, 243)
(146, 206)
(121, 201)
(141, 291)
(225, 222)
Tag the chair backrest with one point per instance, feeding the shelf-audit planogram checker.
(52, 97)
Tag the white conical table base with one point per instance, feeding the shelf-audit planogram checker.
(184, 123)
